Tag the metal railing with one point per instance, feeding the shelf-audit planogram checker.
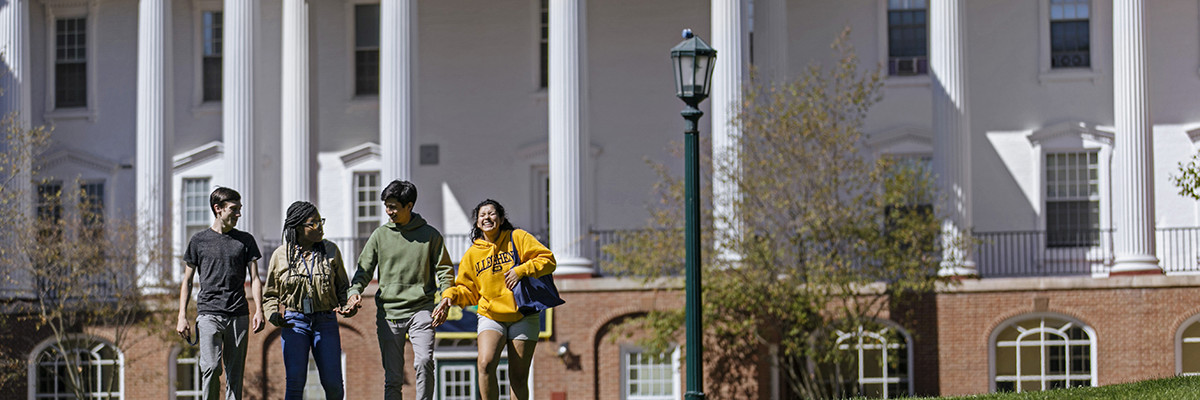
(997, 254)
(1037, 253)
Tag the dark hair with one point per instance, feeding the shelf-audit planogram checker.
(476, 233)
(297, 213)
(220, 196)
(403, 191)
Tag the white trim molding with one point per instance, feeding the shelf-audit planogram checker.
(70, 9)
(199, 106)
(901, 140)
(1077, 136)
(1046, 74)
(32, 365)
(1070, 322)
(1180, 340)
(881, 28)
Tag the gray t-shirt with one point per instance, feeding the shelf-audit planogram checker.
(220, 259)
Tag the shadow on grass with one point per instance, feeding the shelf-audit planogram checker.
(1183, 387)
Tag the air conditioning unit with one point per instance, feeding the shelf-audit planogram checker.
(902, 66)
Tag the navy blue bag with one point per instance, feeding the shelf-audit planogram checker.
(533, 294)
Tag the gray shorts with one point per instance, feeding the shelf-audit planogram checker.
(525, 329)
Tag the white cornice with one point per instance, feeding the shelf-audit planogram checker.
(541, 148)
(360, 153)
(198, 155)
(889, 137)
(60, 155)
(1085, 130)
(1194, 135)
(69, 3)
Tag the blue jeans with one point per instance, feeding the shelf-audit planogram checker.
(317, 332)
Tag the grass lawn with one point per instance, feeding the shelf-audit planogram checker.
(1187, 387)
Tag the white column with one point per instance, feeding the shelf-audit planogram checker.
(153, 138)
(296, 157)
(568, 142)
(238, 104)
(951, 132)
(15, 101)
(729, 75)
(14, 52)
(397, 66)
(1134, 208)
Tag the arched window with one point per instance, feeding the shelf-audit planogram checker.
(99, 368)
(1187, 347)
(1042, 352)
(882, 360)
(185, 369)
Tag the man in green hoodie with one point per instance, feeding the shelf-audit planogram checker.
(414, 268)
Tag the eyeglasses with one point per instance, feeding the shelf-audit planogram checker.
(315, 225)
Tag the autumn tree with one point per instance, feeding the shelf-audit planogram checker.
(69, 274)
(829, 240)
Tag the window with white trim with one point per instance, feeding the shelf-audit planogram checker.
(187, 374)
(881, 361)
(1187, 346)
(366, 49)
(1072, 199)
(70, 62)
(647, 376)
(1070, 34)
(366, 203)
(91, 203)
(100, 369)
(907, 37)
(196, 214)
(457, 379)
(49, 202)
(1042, 353)
(91, 212)
(212, 33)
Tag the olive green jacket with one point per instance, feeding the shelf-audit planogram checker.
(287, 285)
(413, 265)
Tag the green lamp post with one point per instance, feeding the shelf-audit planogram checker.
(693, 62)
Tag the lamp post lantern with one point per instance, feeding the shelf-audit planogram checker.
(692, 60)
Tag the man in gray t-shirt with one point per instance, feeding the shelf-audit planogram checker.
(223, 256)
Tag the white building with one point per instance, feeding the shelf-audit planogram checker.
(1057, 122)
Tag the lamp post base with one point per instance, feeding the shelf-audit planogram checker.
(694, 396)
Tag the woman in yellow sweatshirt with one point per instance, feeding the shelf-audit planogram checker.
(491, 268)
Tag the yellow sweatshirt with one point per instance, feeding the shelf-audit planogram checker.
(481, 272)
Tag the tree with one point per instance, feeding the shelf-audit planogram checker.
(829, 241)
(70, 274)
(1188, 180)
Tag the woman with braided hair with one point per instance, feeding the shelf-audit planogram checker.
(308, 280)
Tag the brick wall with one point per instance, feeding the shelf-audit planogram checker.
(1135, 321)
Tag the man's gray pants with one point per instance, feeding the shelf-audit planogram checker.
(391, 333)
(222, 338)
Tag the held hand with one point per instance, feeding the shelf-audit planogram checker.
(353, 303)
(346, 311)
(181, 327)
(257, 322)
(510, 279)
(439, 313)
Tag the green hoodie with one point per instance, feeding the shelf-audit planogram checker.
(414, 267)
